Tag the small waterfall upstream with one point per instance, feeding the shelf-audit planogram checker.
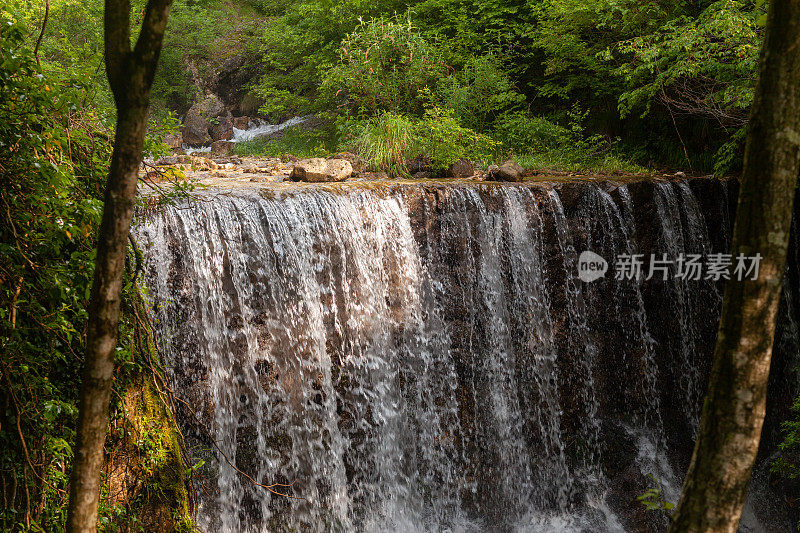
(424, 357)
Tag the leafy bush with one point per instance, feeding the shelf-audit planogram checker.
(704, 65)
(50, 180)
(385, 65)
(54, 154)
(443, 140)
(301, 43)
(479, 92)
(522, 133)
(157, 130)
(540, 143)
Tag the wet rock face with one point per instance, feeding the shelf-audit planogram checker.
(241, 123)
(427, 355)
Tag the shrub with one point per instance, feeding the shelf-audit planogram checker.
(480, 92)
(540, 143)
(388, 140)
(157, 129)
(443, 140)
(522, 133)
(384, 65)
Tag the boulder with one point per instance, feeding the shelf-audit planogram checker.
(221, 128)
(509, 171)
(206, 116)
(461, 169)
(221, 148)
(241, 123)
(355, 161)
(418, 164)
(318, 170)
(173, 141)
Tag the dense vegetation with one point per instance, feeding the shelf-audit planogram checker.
(54, 152)
(558, 84)
(665, 83)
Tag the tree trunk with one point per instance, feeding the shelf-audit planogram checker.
(730, 429)
(130, 74)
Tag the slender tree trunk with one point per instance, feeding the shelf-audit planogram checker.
(130, 73)
(716, 484)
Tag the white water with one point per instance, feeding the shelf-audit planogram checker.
(425, 359)
(259, 128)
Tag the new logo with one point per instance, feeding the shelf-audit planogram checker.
(591, 266)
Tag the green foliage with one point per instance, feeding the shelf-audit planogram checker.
(301, 43)
(541, 143)
(653, 500)
(480, 92)
(384, 65)
(472, 29)
(704, 64)
(54, 152)
(157, 130)
(443, 140)
(787, 464)
(297, 141)
(522, 133)
(50, 177)
(389, 140)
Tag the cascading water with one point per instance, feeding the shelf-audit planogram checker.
(423, 357)
(259, 128)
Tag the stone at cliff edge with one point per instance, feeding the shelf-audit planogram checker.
(462, 169)
(318, 170)
(355, 161)
(509, 171)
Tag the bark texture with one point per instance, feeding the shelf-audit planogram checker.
(716, 484)
(130, 73)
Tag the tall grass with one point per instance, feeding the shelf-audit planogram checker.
(387, 141)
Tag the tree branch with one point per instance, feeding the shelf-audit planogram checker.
(41, 33)
(117, 41)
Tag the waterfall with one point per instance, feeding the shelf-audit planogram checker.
(424, 357)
